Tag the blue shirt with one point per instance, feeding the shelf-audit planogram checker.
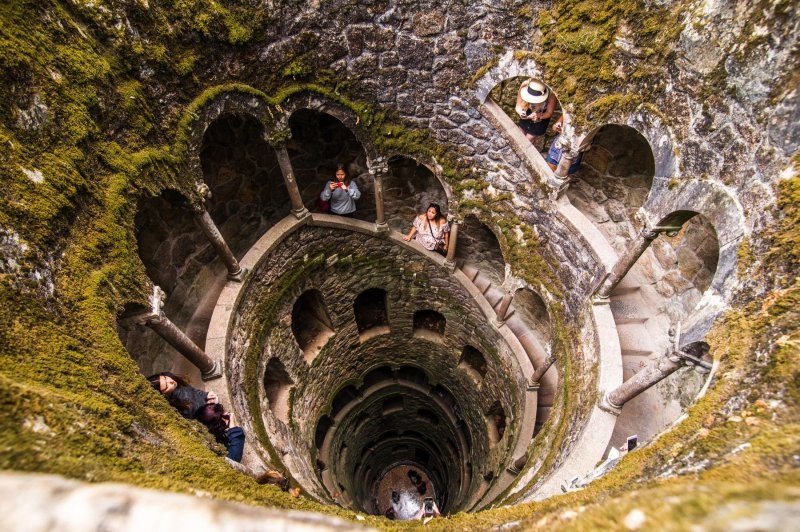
(554, 155)
(342, 202)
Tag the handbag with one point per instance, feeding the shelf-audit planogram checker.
(439, 248)
(323, 206)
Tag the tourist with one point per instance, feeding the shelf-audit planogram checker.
(184, 398)
(535, 105)
(341, 193)
(428, 510)
(431, 229)
(557, 149)
(223, 427)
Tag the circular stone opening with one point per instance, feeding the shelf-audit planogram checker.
(390, 385)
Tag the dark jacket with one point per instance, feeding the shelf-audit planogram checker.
(188, 400)
(234, 441)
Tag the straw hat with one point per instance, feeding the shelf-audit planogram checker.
(534, 92)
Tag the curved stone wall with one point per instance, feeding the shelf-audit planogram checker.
(341, 265)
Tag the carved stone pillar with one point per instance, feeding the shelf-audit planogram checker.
(539, 372)
(298, 209)
(656, 370)
(501, 313)
(210, 229)
(626, 262)
(161, 325)
(562, 170)
(450, 259)
(379, 168)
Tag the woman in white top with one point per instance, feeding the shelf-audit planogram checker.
(431, 229)
(535, 106)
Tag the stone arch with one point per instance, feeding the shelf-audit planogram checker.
(530, 306)
(342, 398)
(689, 258)
(248, 194)
(659, 137)
(479, 246)
(170, 243)
(311, 323)
(321, 431)
(175, 253)
(376, 376)
(504, 94)
(371, 314)
(412, 374)
(496, 422)
(473, 362)
(614, 180)
(507, 67)
(230, 100)
(429, 323)
(408, 188)
(319, 142)
(722, 211)
(277, 387)
(423, 414)
(392, 404)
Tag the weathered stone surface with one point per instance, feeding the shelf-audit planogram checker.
(42, 502)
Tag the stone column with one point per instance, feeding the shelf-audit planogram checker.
(562, 170)
(539, 372)
(501, 313)
(657, 370)
(378, 169)
(626, 262)
(298, 209)
(210, 229)
(158, 321)
(450, 260)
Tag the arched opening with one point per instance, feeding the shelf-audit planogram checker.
(277, 387)
(429, 324)
(427, 416)
(248, 194)
(376, 376)
(689, 260)
(614, 179)
(504, 94)
(175, 253)
(473, 362)
(412, 374)
(478, 247)
(372, 318)
(311, 324)
(323, 426)
(496, 422)
(530, 307)
(319, 142)
(171, 245)
(408, 189)
(344, 396)
(392, 405)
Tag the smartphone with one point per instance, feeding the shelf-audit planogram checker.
(632, 441)
(428, 505)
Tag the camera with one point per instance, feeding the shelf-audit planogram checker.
(428, 506)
